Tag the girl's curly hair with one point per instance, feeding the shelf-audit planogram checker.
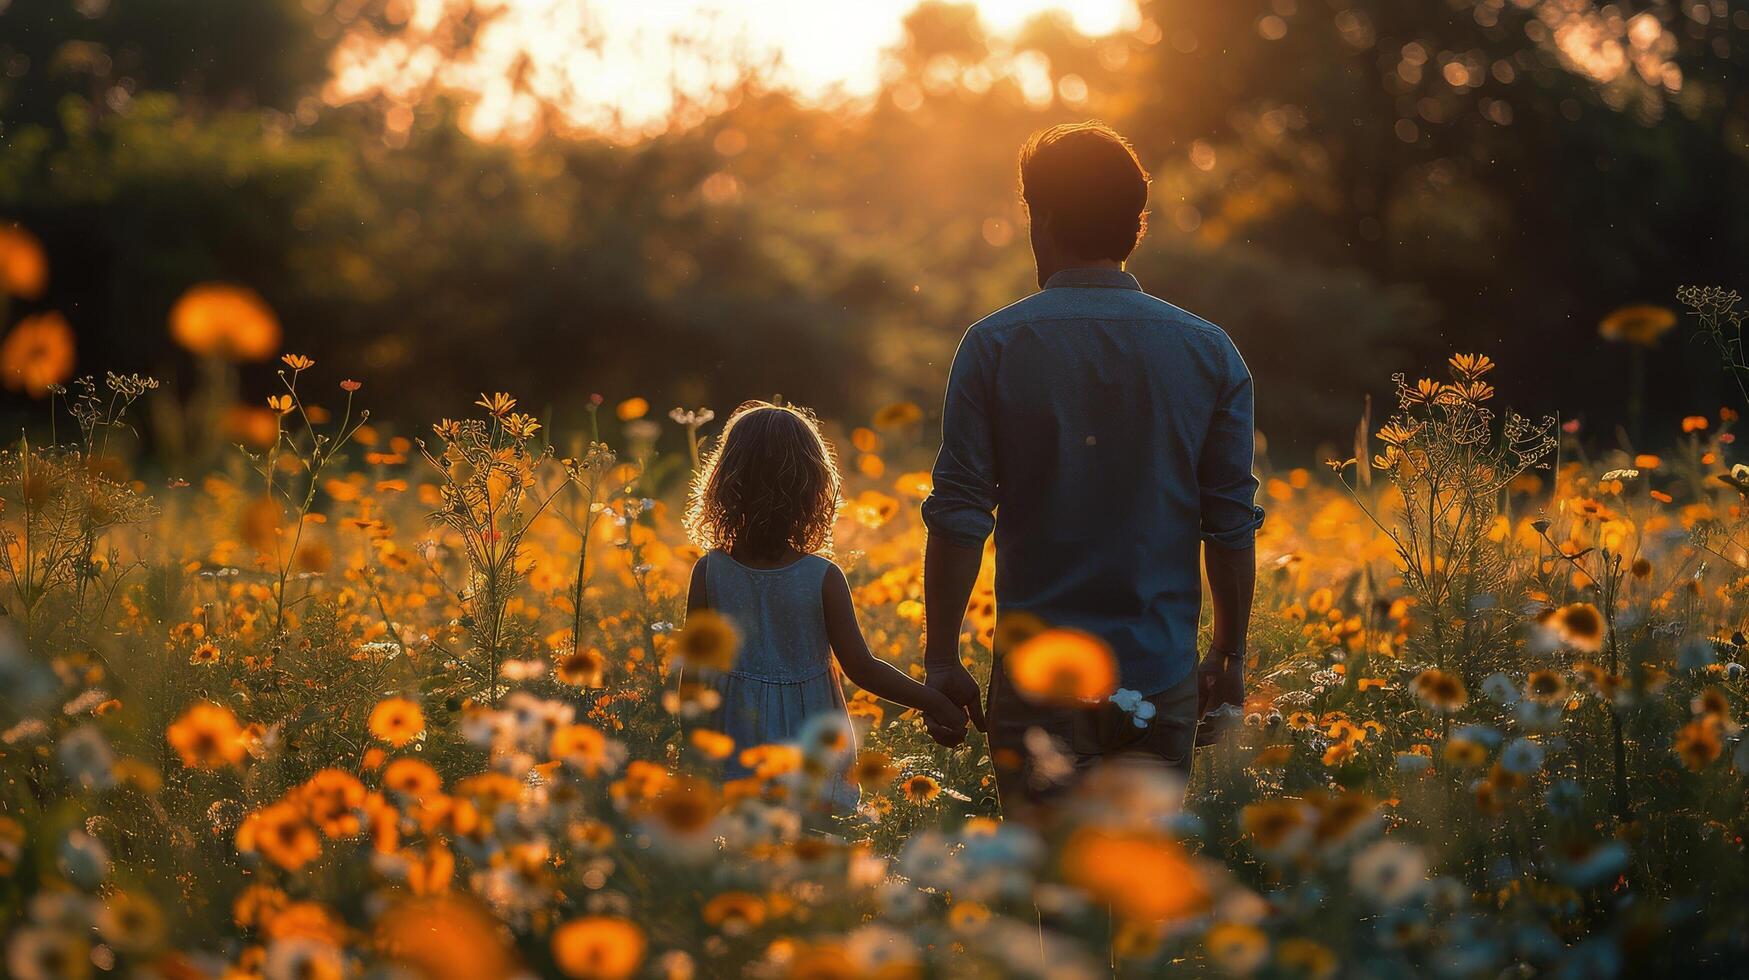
(770, 484)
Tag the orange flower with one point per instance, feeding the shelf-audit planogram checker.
(898, 415)
(632, 408)
(205, 653)
(397, 721)
(24, 269)
(259, 524)
(297, 362)
(715, 745)
(598, 948)
(1545, 687)
(686, 806)
(584, 667)
(37, 353)
(1698, 743)
(251, 425)
(444, 938)
(257, 905)
(1642, 324)
(1471, 366)
(1144, 877)
(582, 746)
(735, 913)
(207, 736)
(1063, 666)
(413, 778)
(224, 320)
(280, 834)
(332, 798)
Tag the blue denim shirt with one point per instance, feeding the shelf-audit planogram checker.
(1104, 435)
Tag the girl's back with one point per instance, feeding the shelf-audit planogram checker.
(778, 613)
(783, 675)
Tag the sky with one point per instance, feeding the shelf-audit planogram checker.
(622, 64)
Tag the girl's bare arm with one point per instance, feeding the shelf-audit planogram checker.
(696, 597)
(868, 671)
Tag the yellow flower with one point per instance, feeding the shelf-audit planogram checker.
(1425, 390)
(1471, 366)
(499, 403)
(1237, 947)
(1440, 690)
(37, 354)
(708, 641)
(921, 789)
(205, 653)
(1580, 626)
(397, 721)
(297, 362)
(1305, 958)
(280, 403)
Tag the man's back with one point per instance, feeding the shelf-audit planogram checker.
(1114, 432)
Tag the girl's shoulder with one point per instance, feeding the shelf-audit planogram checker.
(809, 561)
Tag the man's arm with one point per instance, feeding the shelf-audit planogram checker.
(1232, 576)
(949, 572)
(1230, 518)
(960, 514)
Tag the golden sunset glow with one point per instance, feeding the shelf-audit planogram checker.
(629, 68)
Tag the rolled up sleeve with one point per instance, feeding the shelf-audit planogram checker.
(961, 507)
(1228, 488)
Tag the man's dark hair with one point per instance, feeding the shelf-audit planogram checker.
(1087, 178)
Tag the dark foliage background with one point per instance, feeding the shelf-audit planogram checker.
(1327, 188)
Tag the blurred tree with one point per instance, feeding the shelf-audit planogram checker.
(1349, 188)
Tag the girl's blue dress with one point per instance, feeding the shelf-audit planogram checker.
(783, 676)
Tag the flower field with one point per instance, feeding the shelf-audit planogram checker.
(356, 701)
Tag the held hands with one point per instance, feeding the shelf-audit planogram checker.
(944, 721)
(961, 695)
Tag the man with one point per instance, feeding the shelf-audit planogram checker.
(1105, 436)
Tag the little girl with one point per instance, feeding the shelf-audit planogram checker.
(762, 510)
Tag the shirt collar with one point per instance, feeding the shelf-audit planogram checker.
(1095, 278)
